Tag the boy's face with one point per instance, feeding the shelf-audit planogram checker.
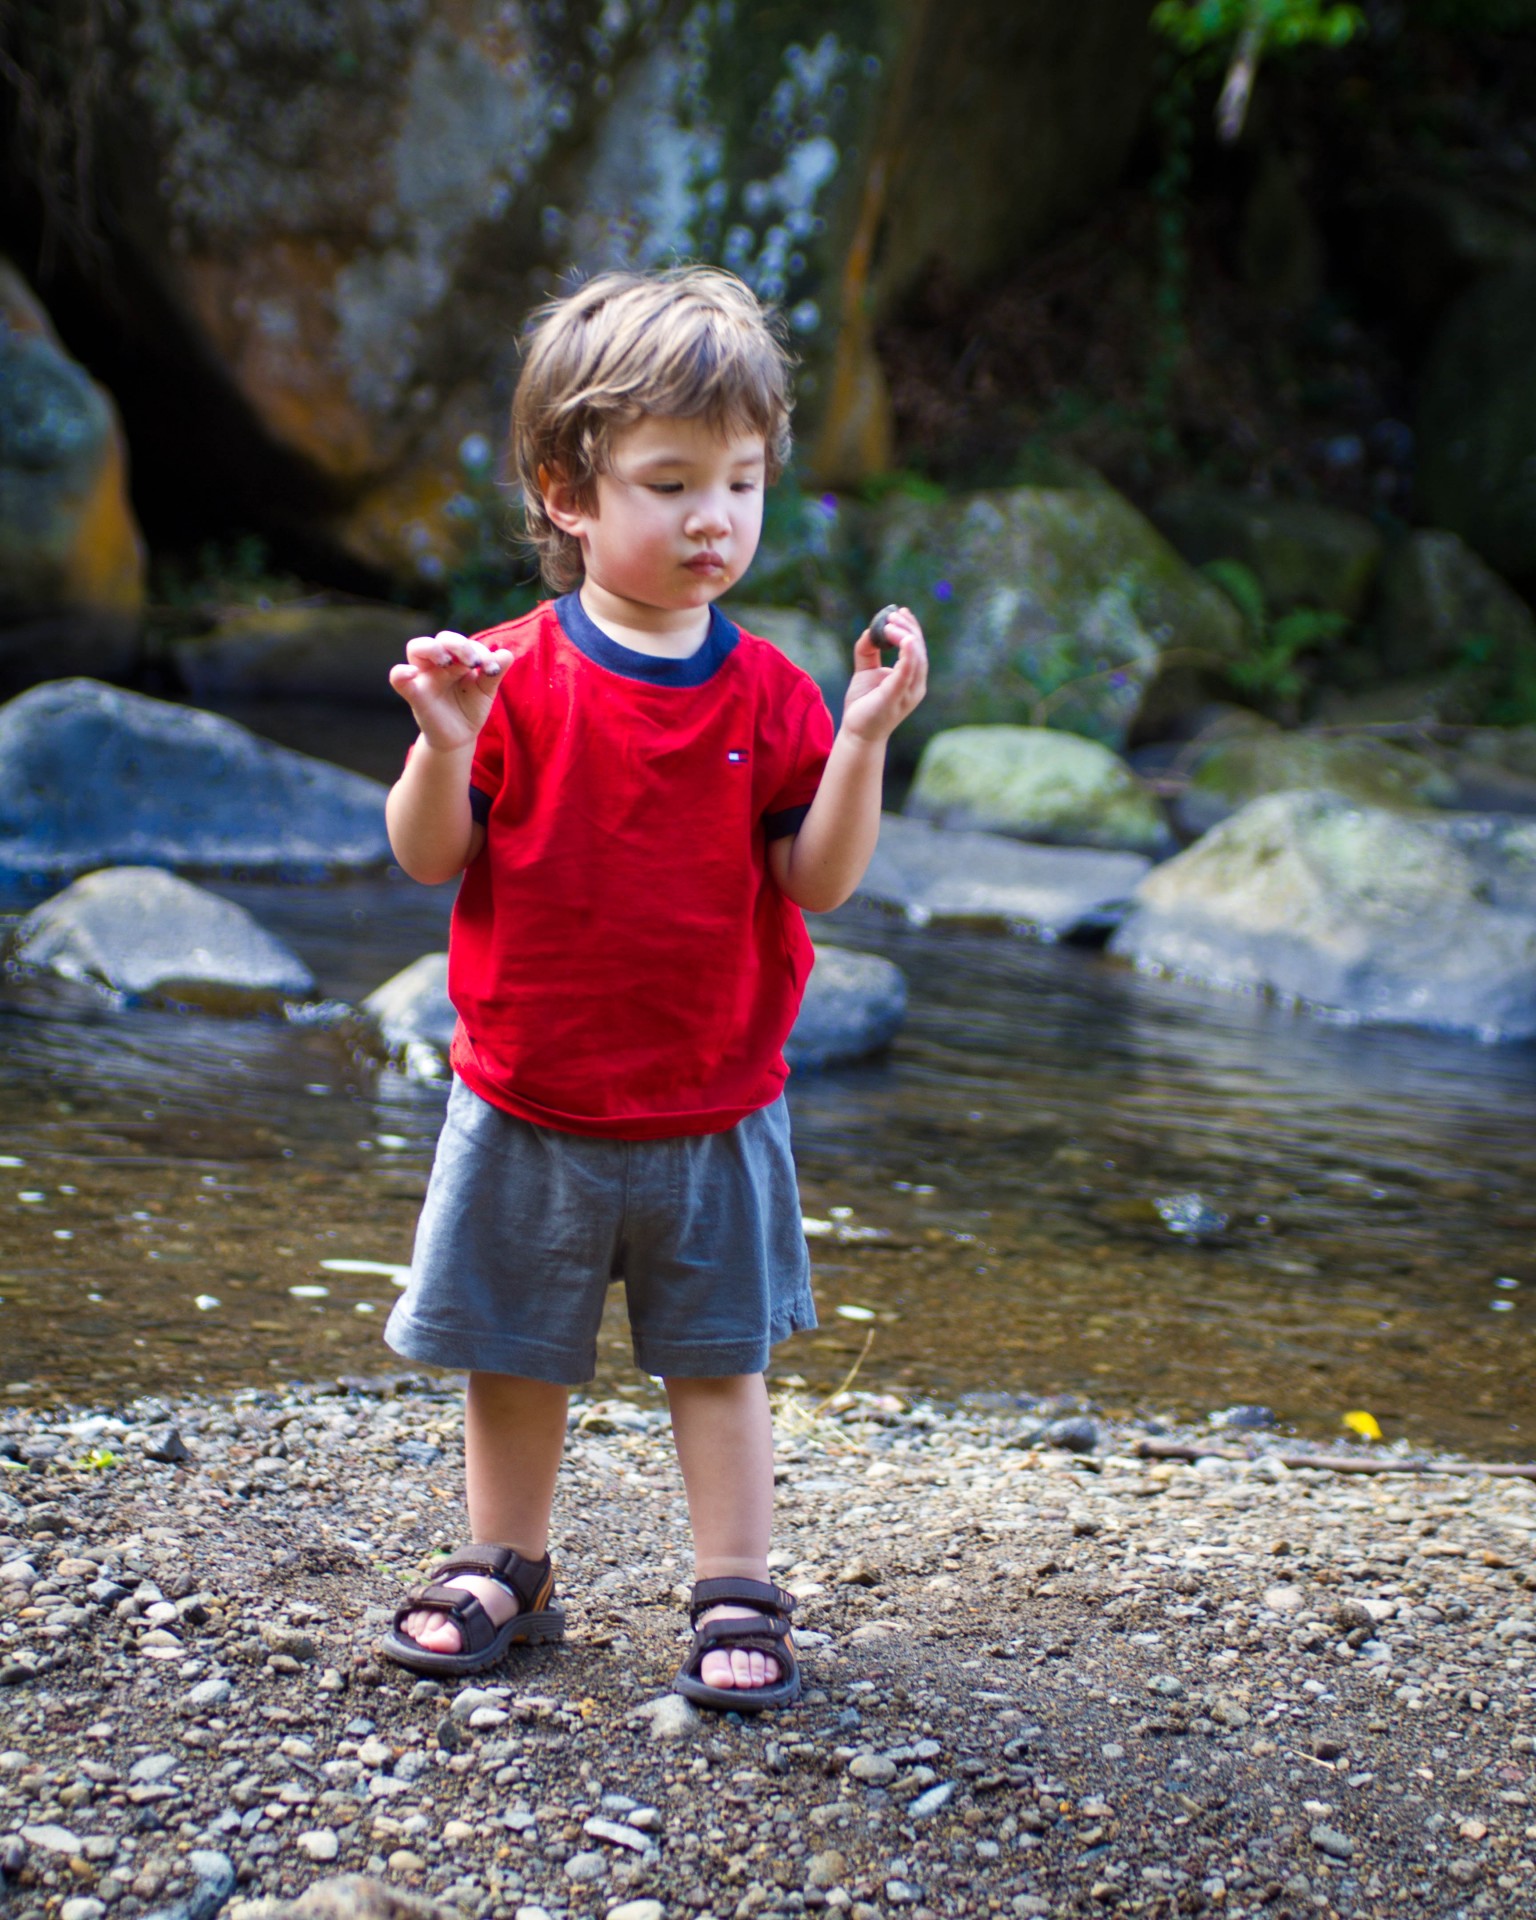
(677, 518)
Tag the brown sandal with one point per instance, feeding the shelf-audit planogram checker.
(766, 1631)
(532, 1584)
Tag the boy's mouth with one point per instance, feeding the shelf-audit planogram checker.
(705, 563)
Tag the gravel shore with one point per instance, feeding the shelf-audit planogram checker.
(1039, 1681)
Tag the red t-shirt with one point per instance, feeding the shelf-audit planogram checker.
(621, 960)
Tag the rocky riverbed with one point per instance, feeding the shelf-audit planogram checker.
(1046, 1674)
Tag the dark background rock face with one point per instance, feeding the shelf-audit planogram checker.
(321, 226)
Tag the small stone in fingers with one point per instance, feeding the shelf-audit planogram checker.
(878, 625)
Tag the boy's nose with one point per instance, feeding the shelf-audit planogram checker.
(709, 518)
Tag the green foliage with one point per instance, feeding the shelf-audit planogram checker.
(97, 1460)
(236, 572)
(1198, 26)
(1272, 670)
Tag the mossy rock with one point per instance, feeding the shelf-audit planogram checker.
(1358, 767)
(1036, 784)
(1302, 553)
(1365, 911)
(1440, 603)
(1046, 605)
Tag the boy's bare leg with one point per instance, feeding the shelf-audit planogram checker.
(514, 1433)
(724, 1436)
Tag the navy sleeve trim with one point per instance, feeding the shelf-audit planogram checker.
(779, 826)
(479, 806)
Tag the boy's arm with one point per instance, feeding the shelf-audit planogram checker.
(819, 866)
(450, 683)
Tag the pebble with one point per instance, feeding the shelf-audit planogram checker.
(402, 1860)
(586, 1866)
(828, 1869)
(82, 1907)
(929, 1803)
(617, 1835)
(51, 1838)
(637, 1910)
(671, 1717)
(207, 1694)
(320, 1844)
(873, 1769)
(1337, 1846)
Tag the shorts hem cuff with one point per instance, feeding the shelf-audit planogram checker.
(440, 1348)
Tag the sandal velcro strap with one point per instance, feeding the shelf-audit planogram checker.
(530, 1580)
(738, 1593)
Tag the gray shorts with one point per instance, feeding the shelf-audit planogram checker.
(524, 1228)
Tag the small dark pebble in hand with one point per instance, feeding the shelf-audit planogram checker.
(878, 624)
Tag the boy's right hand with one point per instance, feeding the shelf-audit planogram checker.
(450, 683)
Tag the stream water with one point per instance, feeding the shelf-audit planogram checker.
(173, 1186)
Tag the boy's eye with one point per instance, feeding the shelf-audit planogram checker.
(743, 486)
(666, 486)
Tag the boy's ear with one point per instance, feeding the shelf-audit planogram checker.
(560, 501)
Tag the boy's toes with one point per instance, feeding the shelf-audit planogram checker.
(742, 1669)
(432, 1631)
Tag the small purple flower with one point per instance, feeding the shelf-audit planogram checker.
(942, 590)
(828, 505)
(1119, 679)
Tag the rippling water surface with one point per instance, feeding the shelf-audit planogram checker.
(169, 1180)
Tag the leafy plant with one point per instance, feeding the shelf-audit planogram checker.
(223, 573)
(1196, 26)
(1272, 670)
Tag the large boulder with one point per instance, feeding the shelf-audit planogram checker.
(1363, 911)
(91, 776)
(142, 932)
(71, 558)
(1241, 768)
(939, 874)
(1438, 605)
(1477, 423)
(809, 642)
(1057, 604)
(1301, 552)
(1037, 784)
(341, 653)
(337, 216)
(854, 1006)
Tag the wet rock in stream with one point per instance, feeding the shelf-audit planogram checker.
(91, 776)
(854, 1006)
(143, 932)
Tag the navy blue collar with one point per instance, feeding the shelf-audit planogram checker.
(584, 633)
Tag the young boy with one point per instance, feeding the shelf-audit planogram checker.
(641, 799)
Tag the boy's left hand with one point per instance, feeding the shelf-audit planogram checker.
(879, 698)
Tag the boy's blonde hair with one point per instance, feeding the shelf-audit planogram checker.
(691, 343)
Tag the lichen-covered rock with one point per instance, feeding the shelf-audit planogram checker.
(1302, 553)
(936, 874)
(1366, 912)
(69, 543)
(1374, 772)
(1438, 604)
(1059, 604)
(143, 932)
(1037, 784)
(308, 652)
(1477, 423)
(854, 1006)
(91, 776)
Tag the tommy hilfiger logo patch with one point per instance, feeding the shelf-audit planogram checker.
(738, 756)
